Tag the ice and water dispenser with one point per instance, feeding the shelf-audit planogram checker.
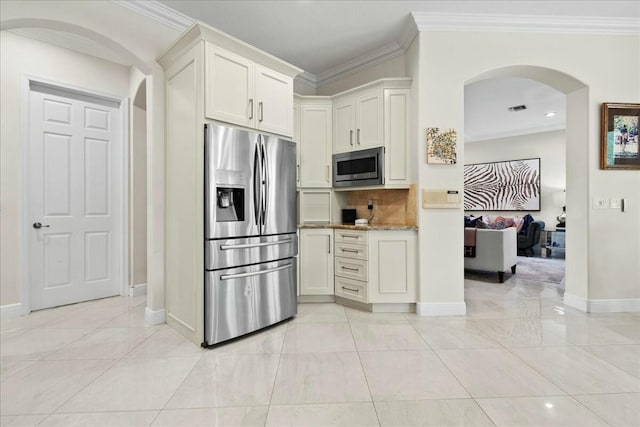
(230, 204)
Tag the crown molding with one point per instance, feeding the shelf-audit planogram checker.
(158, 12)
(360, 63)
(426, 21)
(308, 79)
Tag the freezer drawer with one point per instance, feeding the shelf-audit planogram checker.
(245, 299)
(227, 253)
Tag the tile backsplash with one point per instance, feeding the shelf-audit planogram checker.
(390, 207)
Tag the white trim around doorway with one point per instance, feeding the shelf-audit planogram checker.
(27, 80)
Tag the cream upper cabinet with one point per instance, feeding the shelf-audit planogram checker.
(344, 123)
(242, 92)
(397, 168)
(296, 137)
(274, 94)
(315, 145)
(229, 86)
(316, 262)
(358, 121)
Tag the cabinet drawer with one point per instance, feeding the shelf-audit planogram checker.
(352, 268)
(351, 251)
(351, 289)
(351, 236)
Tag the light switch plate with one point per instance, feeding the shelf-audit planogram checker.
(600, 203)
(615, 202)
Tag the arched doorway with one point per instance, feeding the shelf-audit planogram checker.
(577, 201)
(153, 118)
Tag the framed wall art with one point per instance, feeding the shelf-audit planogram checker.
(441, 146)
(512, 185)
(619, 136)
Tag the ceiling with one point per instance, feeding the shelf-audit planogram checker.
(487, 102)
(326, 38)
(320, 35)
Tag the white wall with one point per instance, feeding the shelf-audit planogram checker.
(449, 60)
(21, 56)
(550, 147)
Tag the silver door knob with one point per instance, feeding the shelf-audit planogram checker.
(38, 225)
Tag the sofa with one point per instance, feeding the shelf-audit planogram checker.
(496, 250)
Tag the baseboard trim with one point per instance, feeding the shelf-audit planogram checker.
(631, 305)
(137, 290)
(154, 317)
(441, 308)
(575, 302)
(10, 311)
(316, 298)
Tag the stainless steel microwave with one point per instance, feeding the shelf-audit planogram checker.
(359, 168)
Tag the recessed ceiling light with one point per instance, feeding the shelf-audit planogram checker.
(517, 108)
(549, 405)
(550, 114)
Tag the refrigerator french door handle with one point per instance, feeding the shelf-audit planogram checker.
(257, 188)
(255, 245)
(254, 273)
(265, 182)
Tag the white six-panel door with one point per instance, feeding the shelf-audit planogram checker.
(75, 171)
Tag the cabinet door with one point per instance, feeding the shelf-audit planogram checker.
(344, 125)
(392, 266)
(316, 262)
(274, 94)
(369, 119)
(315, 146)
(315, 206)
(229, 86)
(297, 118)
(397, 166)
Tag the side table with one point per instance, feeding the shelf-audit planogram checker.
(552, 239)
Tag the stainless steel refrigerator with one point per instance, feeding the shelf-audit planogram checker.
(250, 232)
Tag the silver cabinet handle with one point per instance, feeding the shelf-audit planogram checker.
(254, 245)
(349, 268)
(254, 273)
(353, 251)
(358, 136)
(351, 236)
(297, 173)
(351, 138)
(38, 225)
(329, 244)
(352, 290)
(260, 110)
(250, 108)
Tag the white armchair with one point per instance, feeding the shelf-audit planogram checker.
(496, 250)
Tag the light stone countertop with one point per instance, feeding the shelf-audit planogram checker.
(360, 227)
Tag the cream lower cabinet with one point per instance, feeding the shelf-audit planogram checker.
(316, 261)
(376, 266)
(392, 266)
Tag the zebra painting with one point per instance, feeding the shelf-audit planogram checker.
(502, 186)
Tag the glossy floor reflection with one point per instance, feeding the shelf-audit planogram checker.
(519, 357)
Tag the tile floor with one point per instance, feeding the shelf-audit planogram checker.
(520, 357)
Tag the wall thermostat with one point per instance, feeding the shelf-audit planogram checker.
(441, 199)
